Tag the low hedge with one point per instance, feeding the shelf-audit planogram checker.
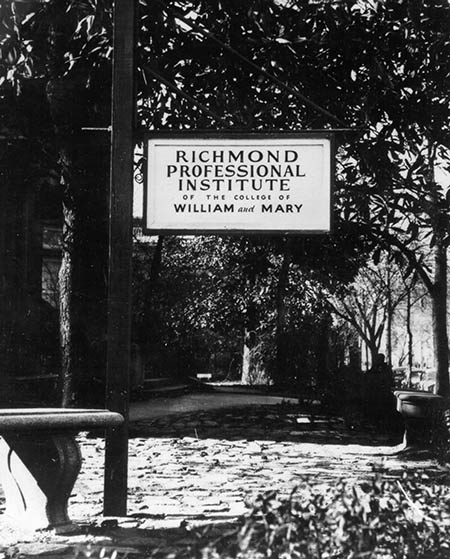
(403, 519)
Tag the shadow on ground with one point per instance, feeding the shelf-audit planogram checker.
(282, 423)
(193, 475)
(108, 542)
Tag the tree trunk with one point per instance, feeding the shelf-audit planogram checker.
(282, 362)
(439, 306)
(84, 163)
(354, 351)
(246, 376)
(69, 362)
(74, 344)
(322, 353)
(155, 265)
(389, 316)
(251, 365)
(252, 373)
(374, 350)
(438, 290)
(83, 287)
(409, 336)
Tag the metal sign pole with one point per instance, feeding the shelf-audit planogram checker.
(120, 246)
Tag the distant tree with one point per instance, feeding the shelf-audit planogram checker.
(368, 304)
(417, 299)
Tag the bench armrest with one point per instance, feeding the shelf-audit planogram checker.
(30, 419)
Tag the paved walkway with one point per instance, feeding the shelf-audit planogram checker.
(200, 401)
(207, 466)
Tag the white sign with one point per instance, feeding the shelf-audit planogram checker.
(228, 184)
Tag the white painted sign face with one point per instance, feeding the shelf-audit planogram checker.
(257, 184)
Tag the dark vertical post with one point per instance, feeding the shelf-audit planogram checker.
(120, 245)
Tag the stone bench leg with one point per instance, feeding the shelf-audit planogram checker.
(38, 472)
(417, 432)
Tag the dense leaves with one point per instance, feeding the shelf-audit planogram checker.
(379, 71)
(406, 519)
(213, 296)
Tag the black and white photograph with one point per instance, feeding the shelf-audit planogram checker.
(224, 304)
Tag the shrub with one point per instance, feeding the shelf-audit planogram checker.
(407, 519)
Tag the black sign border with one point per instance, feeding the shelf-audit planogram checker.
(215, 135)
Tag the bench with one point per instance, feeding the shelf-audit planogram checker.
(40, 461)
(418, 409)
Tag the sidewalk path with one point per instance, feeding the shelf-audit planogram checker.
(208, 466)
(200, 401)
